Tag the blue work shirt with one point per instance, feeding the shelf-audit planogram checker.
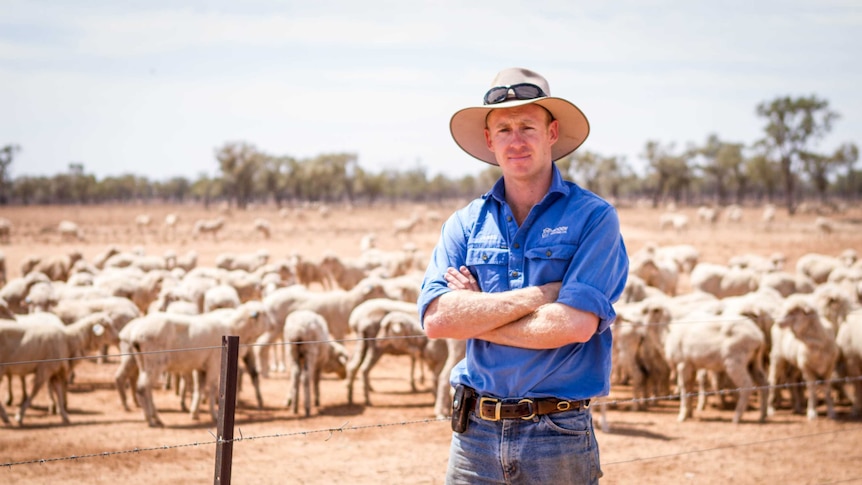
(572, 236)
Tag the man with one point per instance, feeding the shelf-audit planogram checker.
(527, 275)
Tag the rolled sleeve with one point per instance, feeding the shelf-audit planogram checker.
(586, 298)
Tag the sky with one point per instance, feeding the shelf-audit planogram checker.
(154, 88)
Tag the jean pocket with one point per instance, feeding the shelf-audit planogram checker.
(571, 423)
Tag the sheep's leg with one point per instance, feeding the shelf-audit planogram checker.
(811, 387)
(57, 384)
(701, 389)
(122, 376)
(145, 396)
(306, 386)
(38, 381)
(367, 364)
(830, 404)
(738, 373)
(3, 415)
(196, 392)
(353, 365)
(685, 377)
(776, 368)
(250, 366)
(295, 371)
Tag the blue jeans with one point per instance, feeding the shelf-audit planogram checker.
(553, 448)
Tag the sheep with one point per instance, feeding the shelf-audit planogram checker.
(220, 296)
(733, 345)
(734, 213)
(344, 274)
(14, 293)
(637, 357)
(678, 222)
(154, 334)
(757, 263)
(849, 341)
(56, 267)
(455, 351)
(69, 231)
(824, 225)
(41, 345)
(406, 226)
(706, 214)
(249, 262)
(800, 341)
(143, 221)
(401, 334)
(768, 215)
(658, 273)
(171, 221)
(723, 281)
(263, 227)
(312, 352)
(817, 266)
(364, 322)
(308, 272)
(787, 283)
(208, 226)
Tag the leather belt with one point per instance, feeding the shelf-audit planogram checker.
(493, 409)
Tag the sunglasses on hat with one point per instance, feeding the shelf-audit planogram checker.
(499, 94)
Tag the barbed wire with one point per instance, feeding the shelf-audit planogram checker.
(331, 431)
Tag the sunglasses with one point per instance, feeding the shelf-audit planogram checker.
(499, 94)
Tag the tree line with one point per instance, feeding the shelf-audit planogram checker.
(782, 166)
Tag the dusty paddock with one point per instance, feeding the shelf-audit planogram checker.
(396, 440)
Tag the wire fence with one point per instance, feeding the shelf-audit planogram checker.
(328, 432)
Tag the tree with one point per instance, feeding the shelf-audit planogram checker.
(239, 162)
(793, 125)
(671, 173)
(7, 154)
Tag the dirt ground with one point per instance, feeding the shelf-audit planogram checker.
(397, 440)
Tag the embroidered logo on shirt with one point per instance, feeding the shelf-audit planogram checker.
(556, 231)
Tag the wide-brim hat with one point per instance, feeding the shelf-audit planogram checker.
(468, 125)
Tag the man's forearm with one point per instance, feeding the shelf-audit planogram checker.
(549, 327)
(465, 314)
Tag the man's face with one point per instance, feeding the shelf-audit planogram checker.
(521, 139)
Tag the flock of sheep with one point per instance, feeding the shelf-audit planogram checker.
(750, 324)
(166, 315)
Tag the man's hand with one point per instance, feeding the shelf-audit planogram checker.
(461, 279)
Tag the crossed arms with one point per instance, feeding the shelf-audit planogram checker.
(527, 317)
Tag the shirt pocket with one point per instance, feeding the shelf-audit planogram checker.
(490, 266)
(547, 264)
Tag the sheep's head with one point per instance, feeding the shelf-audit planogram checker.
(796, 313)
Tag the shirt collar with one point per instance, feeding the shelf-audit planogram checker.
(498, 191)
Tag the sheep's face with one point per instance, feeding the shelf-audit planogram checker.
(796, 317)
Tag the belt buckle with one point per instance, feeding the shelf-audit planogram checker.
(532, 408)
(498, 405)
(564, 406)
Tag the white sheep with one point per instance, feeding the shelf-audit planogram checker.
(220, 296)
(657, 272)
(849, 341)
(401, 334)
(364, 322)
(455, 351)
(69, 231)
(249, 262)
(208, 226)
(41, 345)
(164, 343)
(787, 283)
(824, 225)
(263, 227)
(312, 352)
(817, 266)
(801, 342)
(731, 344)
(14, 293)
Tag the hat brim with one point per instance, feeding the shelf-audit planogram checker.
(467, 127)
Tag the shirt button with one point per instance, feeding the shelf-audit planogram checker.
(484, 257)
(516, 245)
(548, 253)
(514, 274)
(508, 218)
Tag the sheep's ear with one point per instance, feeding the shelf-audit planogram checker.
(98, 330)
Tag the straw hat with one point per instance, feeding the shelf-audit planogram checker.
(517, 87)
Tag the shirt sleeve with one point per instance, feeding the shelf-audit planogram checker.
(450, 252)
(598, 271)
